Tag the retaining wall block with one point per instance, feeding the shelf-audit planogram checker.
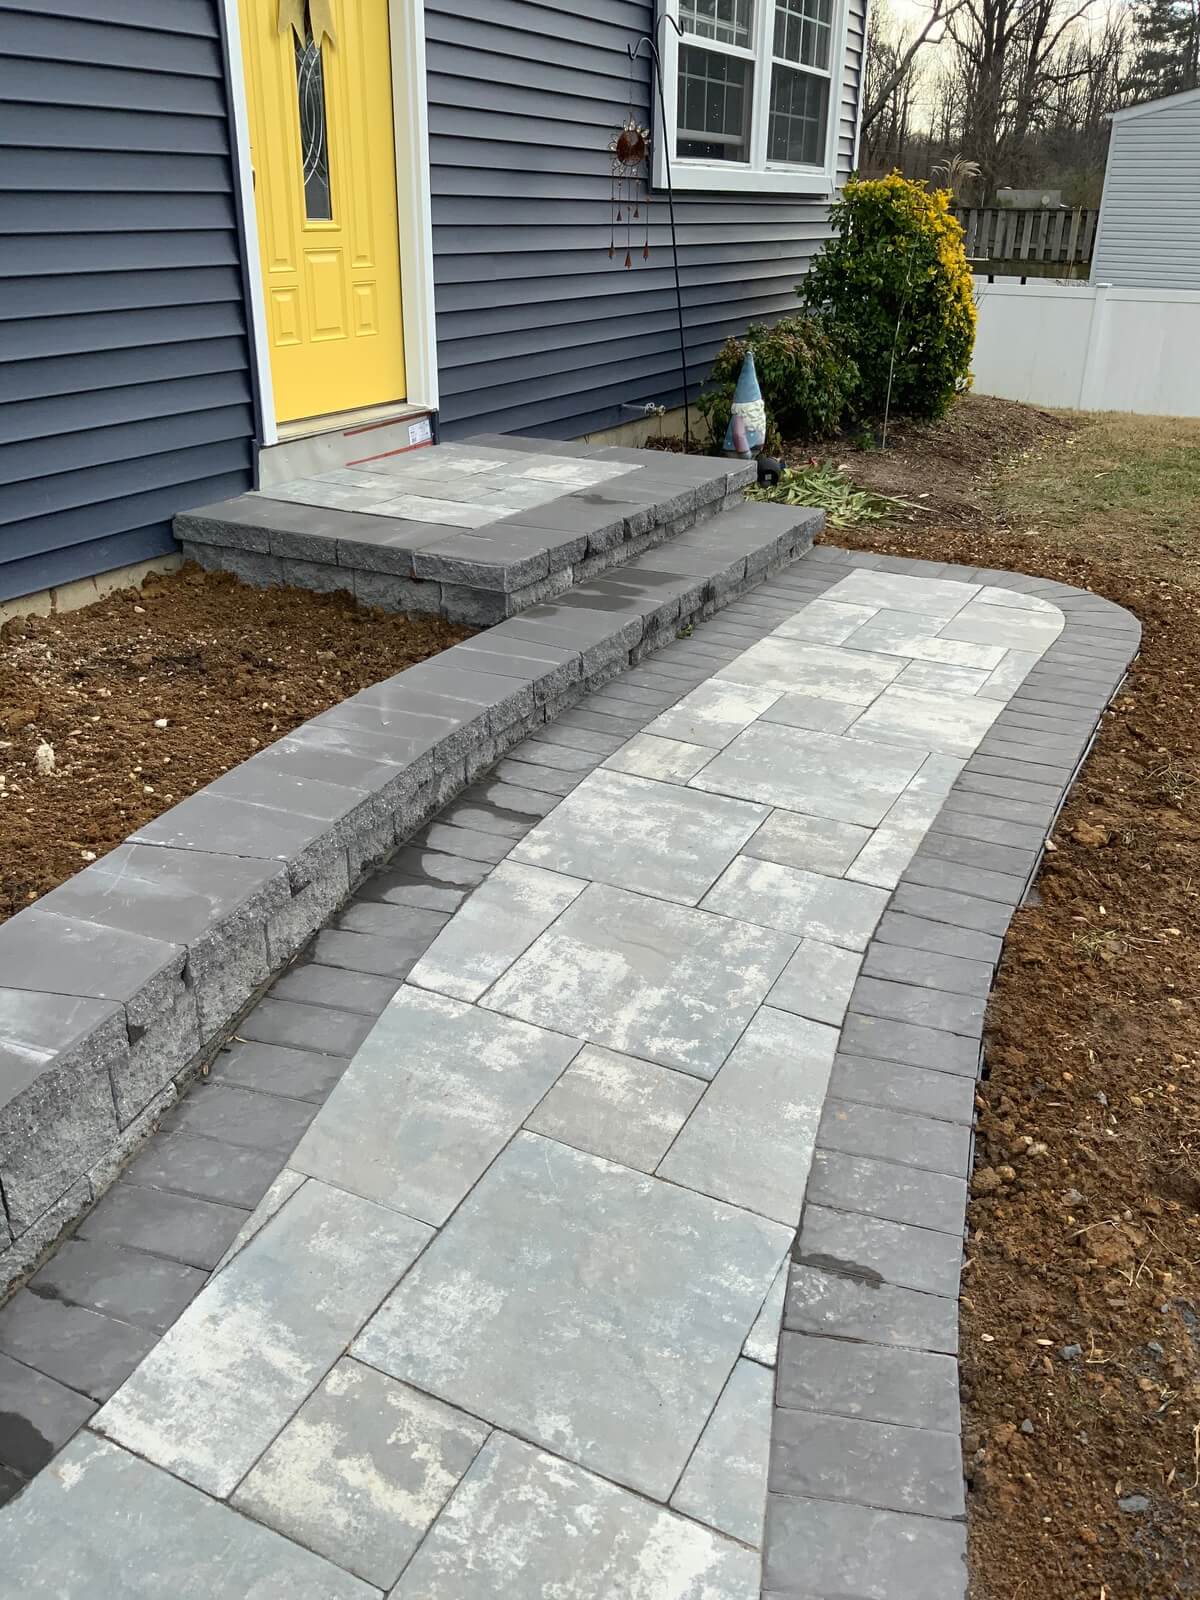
(257, 569)
(57, 1114)
(391, 592)
(156, 1054)
(323, 882)
(28, 1247)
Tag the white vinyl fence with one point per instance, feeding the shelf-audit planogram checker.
(1089, 345)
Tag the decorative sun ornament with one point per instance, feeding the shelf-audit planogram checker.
(631, 145)
(629, 148)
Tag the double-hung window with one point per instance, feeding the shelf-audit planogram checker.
(751, 90)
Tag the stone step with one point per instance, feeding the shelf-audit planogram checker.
(476, 531)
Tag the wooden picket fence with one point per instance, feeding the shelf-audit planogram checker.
(1006, 233)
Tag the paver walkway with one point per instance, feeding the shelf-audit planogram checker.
(506, 1322)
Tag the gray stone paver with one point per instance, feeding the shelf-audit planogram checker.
(763, 1339)
(635, 833)
(181, 1227)
(299, 1074)
(921, 1090)
(130, 1285)
(668, 983)
(100, 1521)
(652, 941)
(617, 1107)
(821, 774)
(713, 714)
(437, 1090)
(833, 1304)
(217, 1389)
(872, 1554)
(908, 1469)
(811, 711)
(805, 904)
(663, 1285)
(893, 1190)
(207, 1168)
(949, 724)
(847, 676)
(649, 755)
(928, 597)
(874, 1249)
(227, 1111)
(79, 1348)
(525, 1525)
(725, 1482)
(750, 1139)
(499, 921)
(914, 638)
(814, 843)
(817, 982)
(362, 1470)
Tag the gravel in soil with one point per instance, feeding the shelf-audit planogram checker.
(111, 714)
(1081, 1300)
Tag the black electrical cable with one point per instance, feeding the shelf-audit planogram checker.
(635, 50)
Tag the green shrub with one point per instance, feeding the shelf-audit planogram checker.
(894, 280)
(805, 375)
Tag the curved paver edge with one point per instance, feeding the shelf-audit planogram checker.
(897, 1307)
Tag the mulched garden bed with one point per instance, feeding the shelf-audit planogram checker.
(112, 714)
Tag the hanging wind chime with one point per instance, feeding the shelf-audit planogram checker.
(630, 191)
(630, 154)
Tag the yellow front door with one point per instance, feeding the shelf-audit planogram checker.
(321, 144)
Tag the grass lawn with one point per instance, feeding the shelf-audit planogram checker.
(1121, 483)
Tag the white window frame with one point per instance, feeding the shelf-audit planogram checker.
(758, 175)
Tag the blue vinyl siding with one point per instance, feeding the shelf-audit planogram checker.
(127, 392)
(538, 331)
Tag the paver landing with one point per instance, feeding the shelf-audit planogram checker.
(507, 1323)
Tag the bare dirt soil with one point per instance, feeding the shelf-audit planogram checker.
(112, 714)
(1081, 1301)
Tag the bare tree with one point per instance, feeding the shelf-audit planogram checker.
(1019, 88)
(892, 64)
(890, 96)
(1010, 56)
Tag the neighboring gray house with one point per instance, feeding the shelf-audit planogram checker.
(242, 234)
(1148, 235)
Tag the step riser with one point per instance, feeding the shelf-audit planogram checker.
(201, 541)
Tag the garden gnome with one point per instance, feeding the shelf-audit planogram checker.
(748, 419)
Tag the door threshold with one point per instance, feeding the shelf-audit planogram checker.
(348, 421)
(343, 438)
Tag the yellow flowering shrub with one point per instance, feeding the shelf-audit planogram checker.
(895, 283)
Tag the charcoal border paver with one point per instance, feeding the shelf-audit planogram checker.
(879, 1248)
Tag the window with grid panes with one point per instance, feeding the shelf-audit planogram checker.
(752, 91)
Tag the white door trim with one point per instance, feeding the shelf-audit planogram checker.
(239, 113)
(410, 115)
